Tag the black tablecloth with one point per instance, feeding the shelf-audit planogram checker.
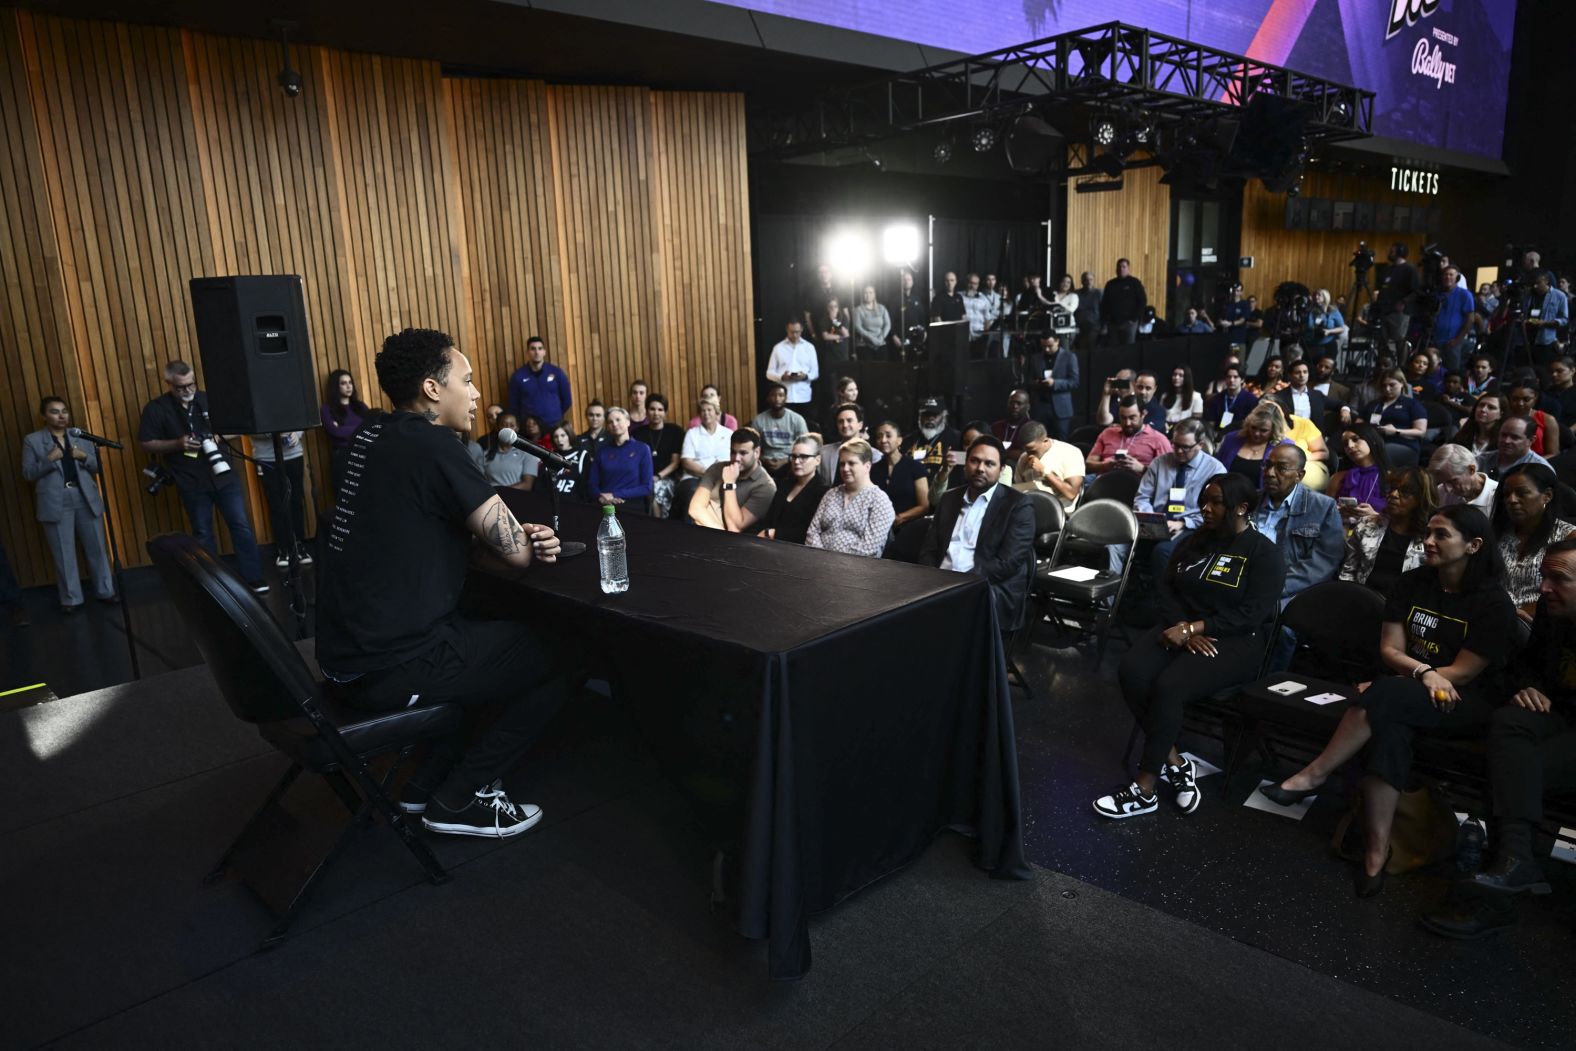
(827, 714)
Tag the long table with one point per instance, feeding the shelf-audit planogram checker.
(827, 715)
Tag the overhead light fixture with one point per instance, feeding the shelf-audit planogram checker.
(290, 81)
(1144, 132)
(1340, 113)
(984, 138)
(942, 153)
(1102, 130)
(900, 244)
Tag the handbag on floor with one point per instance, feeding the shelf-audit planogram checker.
(1424, 831)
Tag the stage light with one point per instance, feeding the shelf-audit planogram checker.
(1340, 112)
(900, 244)
(942, 153)
(984, 138)
(1102, 130)
(1144, 132)
(848, 253)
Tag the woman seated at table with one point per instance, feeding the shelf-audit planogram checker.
(1219, 594)
(1477, 433)
(1401, 418)
(902, 478)
(1247, 449)
(855, 517)
(798, 495)
(1383, 546)
(1448, 626)
(1359, 489)
(1526, 523)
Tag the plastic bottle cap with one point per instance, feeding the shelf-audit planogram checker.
(608, 510)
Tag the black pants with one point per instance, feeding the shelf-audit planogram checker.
(286, 516)
(472, 662)
(1158, 684)
(338, 461)
(1399, 708)
(10, 592)
(1530, 753)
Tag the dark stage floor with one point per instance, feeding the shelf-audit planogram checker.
(1230, 926)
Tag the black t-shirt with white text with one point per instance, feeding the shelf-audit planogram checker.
(1440, 624)
(397, 546)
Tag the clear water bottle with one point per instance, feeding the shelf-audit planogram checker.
(610, 553)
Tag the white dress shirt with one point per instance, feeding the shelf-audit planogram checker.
(794, 357)
(1299, 402)
(966, 533)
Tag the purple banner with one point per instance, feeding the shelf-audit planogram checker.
(1439, 68)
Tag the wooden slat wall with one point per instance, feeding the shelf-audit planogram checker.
(1133, 223)
(1320, 258)
(611, 221)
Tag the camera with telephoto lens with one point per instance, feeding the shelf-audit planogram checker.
(210, 449)
(1363, 258)
(158, 478)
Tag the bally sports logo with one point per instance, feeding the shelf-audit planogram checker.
(1405, 13)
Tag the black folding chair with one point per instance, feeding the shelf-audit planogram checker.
(1100, 524)
(1116, 484)
(265, 681)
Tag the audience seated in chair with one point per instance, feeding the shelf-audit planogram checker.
(1049, 463)
(1172, 485)
(855, 517)
(1448, 628)
(1359, 490)
(987, 528)
(734, 494)
(1400, 417)
(1531, 751)
(1304, 524)
(1129, 444)
(1219, 597)
(849, 420)
(1383, 546)
(1458, 481)
(1512, 447)
(621, 472)
(1526, 522)
(901, 477)
(799, 495)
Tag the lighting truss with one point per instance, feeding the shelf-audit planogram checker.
(1112, 65)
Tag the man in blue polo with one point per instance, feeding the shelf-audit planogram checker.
(1453, 324)
(539, 388)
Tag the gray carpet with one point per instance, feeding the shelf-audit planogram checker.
(592, 930)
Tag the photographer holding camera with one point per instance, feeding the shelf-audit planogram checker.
(1393, 306)
(175, 427)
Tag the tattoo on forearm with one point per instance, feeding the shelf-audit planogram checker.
(502, 532)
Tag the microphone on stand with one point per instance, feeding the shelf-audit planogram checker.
(78, 432)
(556, 463)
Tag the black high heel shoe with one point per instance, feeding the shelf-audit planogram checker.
(1367, 886)
(1283, 796)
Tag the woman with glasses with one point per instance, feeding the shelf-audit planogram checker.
(1383, 546)
(798, 496)
(1359, 489)
(1447, 629)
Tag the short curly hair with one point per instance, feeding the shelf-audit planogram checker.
(409, 357)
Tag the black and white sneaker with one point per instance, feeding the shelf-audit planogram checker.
(1129, 802)
(1184, 779)
(259, 587)
(282, 560)
(303, 555)
(489, 813)
(413, 798)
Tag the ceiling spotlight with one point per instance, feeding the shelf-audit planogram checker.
(1144, 132)
(942, 153)
(290, 81)
(984, 138)
(1102, 130)
(1340, 112)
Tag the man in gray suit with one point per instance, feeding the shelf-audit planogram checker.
(68, 503)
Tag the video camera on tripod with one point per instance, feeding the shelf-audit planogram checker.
(1362, 259)
(1292, 303)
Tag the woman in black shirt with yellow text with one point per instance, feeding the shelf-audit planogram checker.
(1448, 626)
(1220, 594)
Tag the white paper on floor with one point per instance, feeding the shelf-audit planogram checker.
(1258, 802)
(1205, 767)
(1564, 849)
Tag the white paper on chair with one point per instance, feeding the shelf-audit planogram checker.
(1289, 687)
(1077, 574)
(1295, 811)
(1325, 698)
(1565, 847)
(1204, 766)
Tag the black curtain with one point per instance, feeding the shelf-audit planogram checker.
(1011, 251)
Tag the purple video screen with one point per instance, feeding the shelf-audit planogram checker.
(1439, 68)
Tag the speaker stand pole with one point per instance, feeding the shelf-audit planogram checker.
(566, 548)
(115, 567)
(297, 599)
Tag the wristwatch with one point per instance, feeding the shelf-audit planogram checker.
(729, 487)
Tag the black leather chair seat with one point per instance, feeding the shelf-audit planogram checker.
(1085, 592)
(367, 734)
